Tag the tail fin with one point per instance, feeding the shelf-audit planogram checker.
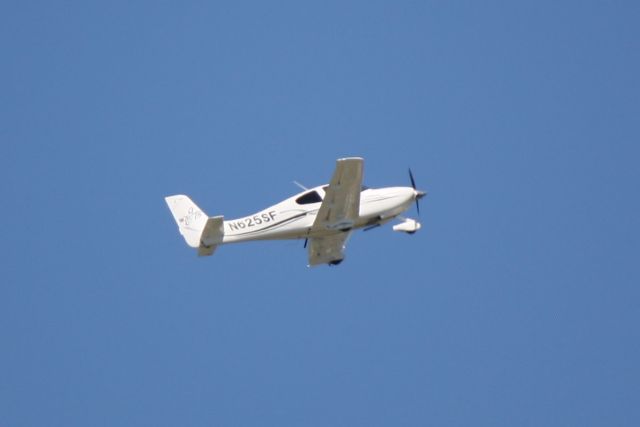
(198, 230)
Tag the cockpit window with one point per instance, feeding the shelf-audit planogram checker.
(310, 197)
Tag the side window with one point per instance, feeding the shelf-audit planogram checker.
(310, 197)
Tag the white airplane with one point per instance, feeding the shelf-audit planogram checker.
(324, 216)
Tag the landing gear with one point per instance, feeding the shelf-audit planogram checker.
(408, 226)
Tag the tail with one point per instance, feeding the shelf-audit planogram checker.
(198, 230)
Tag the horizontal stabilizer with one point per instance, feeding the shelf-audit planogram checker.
(212, 235)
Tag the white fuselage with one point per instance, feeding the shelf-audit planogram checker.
(293, 218)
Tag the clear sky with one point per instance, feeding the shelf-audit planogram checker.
(517, 304)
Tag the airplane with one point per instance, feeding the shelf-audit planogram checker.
(325, 216)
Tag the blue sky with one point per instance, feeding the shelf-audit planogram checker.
(516, 304)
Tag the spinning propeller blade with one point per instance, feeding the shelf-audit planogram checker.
(413, 181)
(419, 194)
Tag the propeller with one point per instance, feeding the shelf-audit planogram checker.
(419, 194)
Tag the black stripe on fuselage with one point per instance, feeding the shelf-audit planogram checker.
(271, 226)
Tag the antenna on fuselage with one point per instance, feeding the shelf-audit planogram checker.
(300, 185)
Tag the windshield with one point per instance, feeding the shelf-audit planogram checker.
(310, 197)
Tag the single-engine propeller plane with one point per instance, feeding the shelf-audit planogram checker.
(325, 216)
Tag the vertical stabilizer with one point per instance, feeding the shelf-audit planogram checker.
(198, 230)
(189, 217)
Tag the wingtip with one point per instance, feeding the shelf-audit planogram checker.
(346, 159)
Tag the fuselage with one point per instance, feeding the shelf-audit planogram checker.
(293, 218)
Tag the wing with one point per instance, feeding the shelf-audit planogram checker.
(341, 204)
(328, 249)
